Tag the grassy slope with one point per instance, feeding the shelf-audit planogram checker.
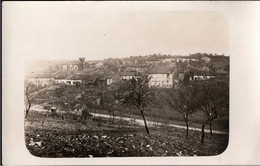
(99, 138)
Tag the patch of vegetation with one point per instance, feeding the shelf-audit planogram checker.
(97, 137)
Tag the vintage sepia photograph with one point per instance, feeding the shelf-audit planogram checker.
(130, 83)
(127, 84)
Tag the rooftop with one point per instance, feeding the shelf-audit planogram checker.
(201, 73)
(74, 76)
(126, 73)
(61, 75)
(161, 70)
(42, 75)
(72, 62)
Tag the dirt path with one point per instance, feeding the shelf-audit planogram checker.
(151, 123)
(138, 121)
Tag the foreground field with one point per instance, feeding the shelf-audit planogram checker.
(97, 137)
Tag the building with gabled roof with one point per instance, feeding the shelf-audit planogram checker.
(201, 75)
(107, 79)
(71, 66)
(43, 79)
(152, 61)
(126, 75)
(161, 77)
(71, 79)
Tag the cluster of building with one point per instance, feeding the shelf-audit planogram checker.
(163, 73)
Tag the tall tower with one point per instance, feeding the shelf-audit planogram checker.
(82, 60)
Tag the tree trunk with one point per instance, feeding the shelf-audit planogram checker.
(27, 110)
(110, 116)
(146, 127)
(187, 128)
(202, 133)
(113, 117)
(210, 126)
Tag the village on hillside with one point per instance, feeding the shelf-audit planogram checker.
(82, 108)
(164, 71)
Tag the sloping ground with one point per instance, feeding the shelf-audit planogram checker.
(140, 122)
(100, 138)
(152, 123)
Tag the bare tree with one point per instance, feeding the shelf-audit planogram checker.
(182, 99)
(109, 101)
(30, 95)
(212, 95)
(138, 94)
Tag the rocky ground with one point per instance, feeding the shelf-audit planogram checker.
(97, 137)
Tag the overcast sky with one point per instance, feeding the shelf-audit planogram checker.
(43, 31)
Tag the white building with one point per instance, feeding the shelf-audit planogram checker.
(166, 60)
(70, 67)
(40, 80)
(126, 75)
(152, 61)
(183, 59)
(201, 77)
(69, 80)
(163, 80)
(161, 77)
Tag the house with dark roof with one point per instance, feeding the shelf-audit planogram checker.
(201, 75)
(60, 78)
(90, 79)
(74, 79)
(126, 75)
(167, 64)
(136, 68)
(178, 75)
(71, 79)
(155, 61)
(220, 66)
(105, 80)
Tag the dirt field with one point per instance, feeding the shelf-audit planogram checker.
(97, 137)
